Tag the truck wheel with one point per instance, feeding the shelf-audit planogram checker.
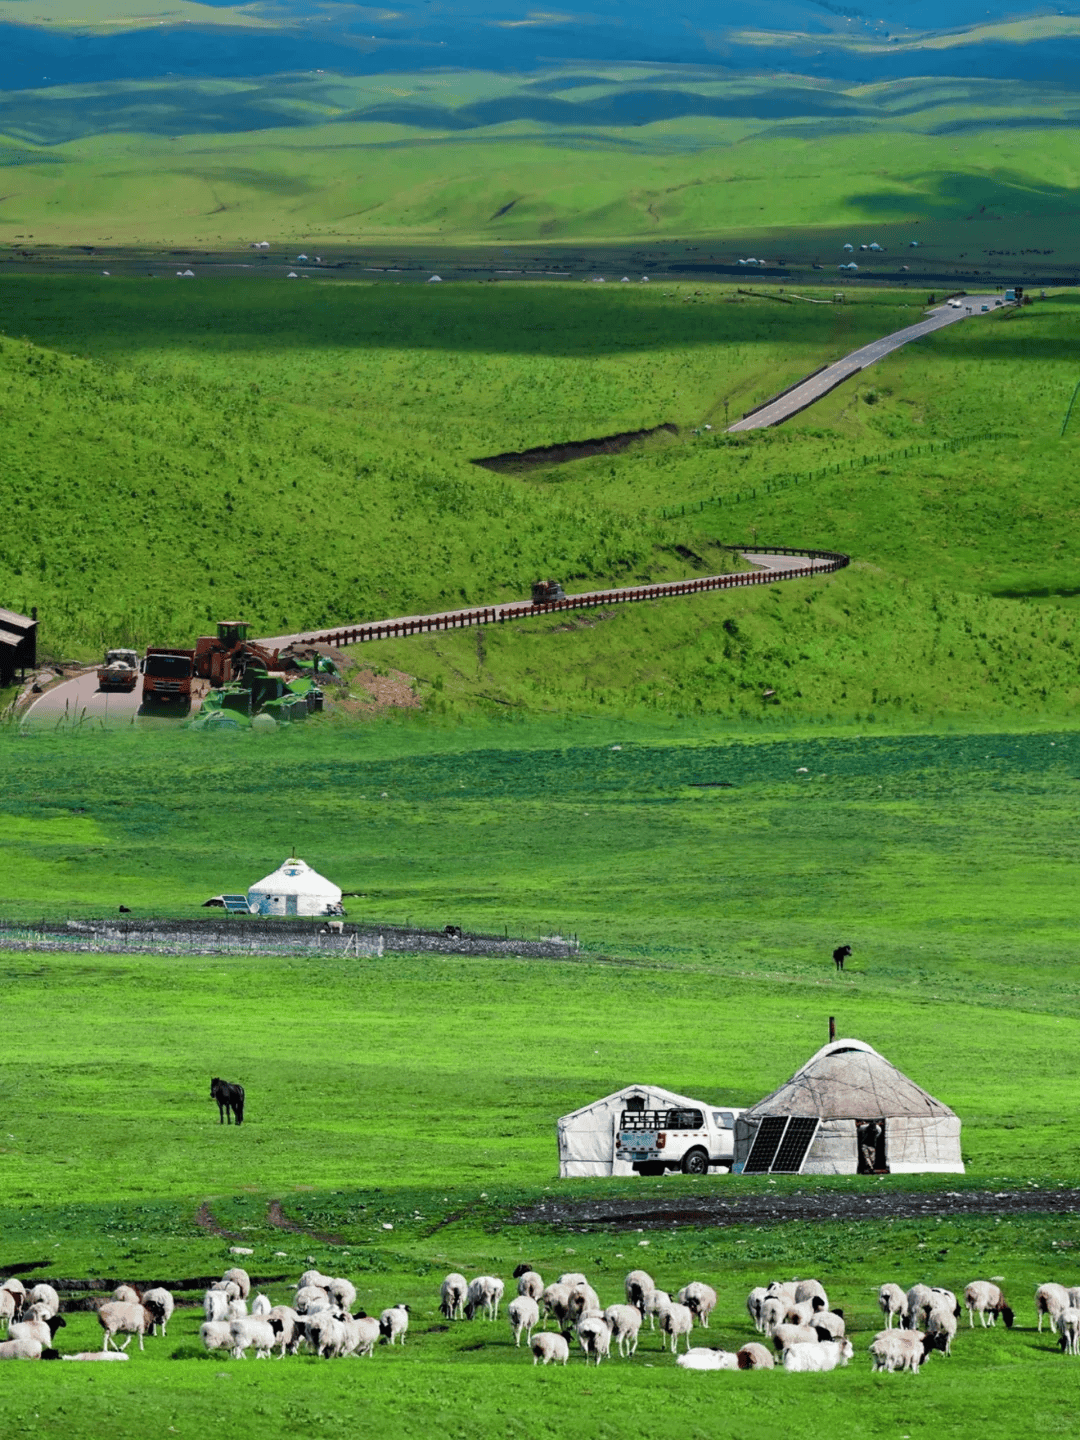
(695, 1162)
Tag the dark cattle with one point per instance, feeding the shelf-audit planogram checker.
(453, 931)
(840, 954)
(230, 1100)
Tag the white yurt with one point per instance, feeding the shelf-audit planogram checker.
(587, 1136)
(848, 1110)
(294, 889)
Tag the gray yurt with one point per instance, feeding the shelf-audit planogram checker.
(848, 1111)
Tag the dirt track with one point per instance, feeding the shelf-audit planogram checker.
(883, 1202)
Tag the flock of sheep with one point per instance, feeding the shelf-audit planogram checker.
(795, 1316)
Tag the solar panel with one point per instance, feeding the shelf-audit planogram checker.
(236, 904)
(766, 1143)
(796, 1142)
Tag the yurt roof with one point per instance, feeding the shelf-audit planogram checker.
(296, 877)
(848, 1079)
(628, 1092)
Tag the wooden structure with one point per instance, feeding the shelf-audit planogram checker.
(18, 644)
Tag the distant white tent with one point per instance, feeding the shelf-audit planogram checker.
(294, 889)
(587, 1136)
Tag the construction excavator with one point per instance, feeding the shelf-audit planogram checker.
(223, 658)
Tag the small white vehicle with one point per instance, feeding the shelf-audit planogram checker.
(688, 1138)
(120, 670)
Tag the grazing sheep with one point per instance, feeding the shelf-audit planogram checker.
(215, 1304)
(393, 1322)
(118, 1316)
(485, 1292)
(326, 1333)
(228, 1288)
(127, 1295)
(10, 1306)
(524, 1315)
(362, 1334)
(252, 1332)
(240, 1278)
(531, 1284)
(38, 1311)
(753, 1356)
(525, 1268)
(802, 1312)
(703, 1359)
(235, 1309)
(1067, 1325)
(822, 1355)
(811, 1290)
(25, 1349)
(699, 1298)
(784, 1336)
(772, 1311)
(831, 1323)
(290, 1333)
(639, 1286)
(310, 1297)
(452, 1294)
(215, 1335)
(903, 1349)
(783, 1290)
(986, 1297)
(1074, 1296)
(555, 1301)
(753, 1306)
(314, 1277)
(572, 1278)
(940, 1320)
(625, 1323)
(657, 1303)
(918, 1299)
(1050, 1300)
(161, 1305)
(677, 1320)
(14, 1284)
(44, 1295)
(342, 1294)
(583, 1300)
(892, 1301)
(42, 1331)
(261, 1306)
(547, 1348)
(594, 1337)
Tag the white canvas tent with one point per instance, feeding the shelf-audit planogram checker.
(587, 1136)
(294, 889)
(846, 1095)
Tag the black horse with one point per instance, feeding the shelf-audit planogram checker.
(230, 1098)
(840, 954)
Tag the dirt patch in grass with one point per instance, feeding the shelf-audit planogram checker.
(514, 460)
(277, 1217)
(663, 1212)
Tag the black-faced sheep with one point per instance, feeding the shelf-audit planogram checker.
(639, 1286)
(699, 1298)
(394, 1323)
(903, 1349)
(240, 1278)
(253, 1332)
(893, 1302)
(524, 1315)
(530, 1283)
(119, 1317)
(485, 1292)
(1067, 1325)
(594, 1337)
(986, 1298)
(42, 1331)
(625, 1324)
(549, 1349)
(1050, 1300)
(753, 1356)
(677, 1320)
(452, 1296)
(161, 1305)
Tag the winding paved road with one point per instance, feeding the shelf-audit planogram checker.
(816, 387)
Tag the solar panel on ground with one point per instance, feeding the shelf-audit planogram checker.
(766, 1143)
(796, 1142)
(236, 904)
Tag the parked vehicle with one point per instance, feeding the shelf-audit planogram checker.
(167, 675)
(686, 1139)
(120, 670)
(544, 591)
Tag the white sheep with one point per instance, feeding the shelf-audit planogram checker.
(678, 1320)
(44, 1295)
(556, 1301)
(239, 1278)
(485, 1292)
(548, 1348)
(235, 1309)
(1050, 1300)
(783, 1290)
(326, 1333)
(10, 1306)
(919, 1298)
(161, 1305)
(524, 1315)
(290, 1333)
(85, 1355)
(594, 1337)
(14, 1284)
(215, 1335)
(583, 1300)
(452, 1295)
(42, 1331)
(986, 1298)
(831, 1323)
(655, 1306)
(261, 1306)
(753, 1306)
(120, 1317)
(1074, 1296)
(785, 1336)
(753, 1356)
(892, 1301)
(127, 1295)
(902, 1349)
(215, 1304)
(802, 1312)
(316, 1278)
(639, 1285)
(228, 1288)
(40, 1310)
(362, 1335)
(530, 1283)
(253, 1332)
(309, 1297)
(1067, 1325)
(393, 1322)
(773, 1309)
(699, 1298)
(24, 1349)
(625, 1323)
(811, 1290)
(940, 1320)
(822, 1355)
(572, 1278)
(342, 1294)
(703, 1359)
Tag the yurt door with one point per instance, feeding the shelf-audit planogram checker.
(290, 904)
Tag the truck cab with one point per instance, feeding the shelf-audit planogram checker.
(691, 1138)
(167, 675)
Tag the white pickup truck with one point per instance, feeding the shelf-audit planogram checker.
(687, 1138)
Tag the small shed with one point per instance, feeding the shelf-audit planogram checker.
(847, 1111)
(587, 1136)
(294, 889)
(18, 644)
